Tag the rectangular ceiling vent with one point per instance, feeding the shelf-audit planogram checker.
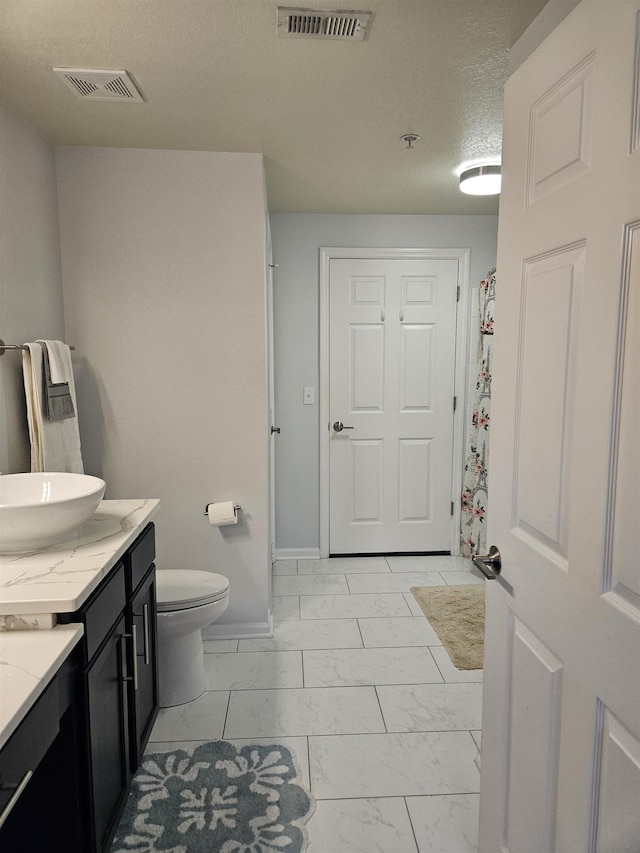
(322, 24)
(90, 84)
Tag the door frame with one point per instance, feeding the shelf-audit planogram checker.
(271, 446)
(328, 253)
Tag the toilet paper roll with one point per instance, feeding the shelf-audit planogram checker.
(222, 513)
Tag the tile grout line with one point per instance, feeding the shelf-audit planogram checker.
(384, 721)
(415, 838)
(226, 714)
(309, 762)
(442, 683)
(399, 796)
(437, 667)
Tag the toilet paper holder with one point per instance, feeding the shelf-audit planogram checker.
(236, 507)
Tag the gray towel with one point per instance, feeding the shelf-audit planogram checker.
(56, 398)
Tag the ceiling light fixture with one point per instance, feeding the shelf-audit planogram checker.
(481, 180)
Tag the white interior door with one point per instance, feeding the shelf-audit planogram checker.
(561, 716)
(392, 363)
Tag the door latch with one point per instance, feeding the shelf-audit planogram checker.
(489, 564)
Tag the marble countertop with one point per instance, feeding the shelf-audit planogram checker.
(28, 662)
(34, 585)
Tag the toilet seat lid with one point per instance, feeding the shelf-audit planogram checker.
(177, 589)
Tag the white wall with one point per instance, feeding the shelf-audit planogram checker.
(296, 240)
(30, 279)
(163, 256)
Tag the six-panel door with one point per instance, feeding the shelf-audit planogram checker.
(561, 722)
(392, 359)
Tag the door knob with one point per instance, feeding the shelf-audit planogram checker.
(339, 426)
(489, 564)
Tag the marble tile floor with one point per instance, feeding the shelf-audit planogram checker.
(385, 730)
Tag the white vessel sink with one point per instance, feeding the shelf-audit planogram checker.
(42, 509)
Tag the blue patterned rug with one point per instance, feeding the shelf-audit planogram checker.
(219, 799)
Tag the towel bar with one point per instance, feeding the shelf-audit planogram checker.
(4, 347)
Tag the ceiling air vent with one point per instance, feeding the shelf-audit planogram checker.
(89, 84)
(322, 24)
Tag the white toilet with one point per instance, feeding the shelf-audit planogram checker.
(187, 602)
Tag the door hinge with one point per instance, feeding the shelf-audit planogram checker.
(458, 293)
(451, 507)
(455, 403)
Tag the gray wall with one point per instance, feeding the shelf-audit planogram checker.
(164, 298)
(163, 257)
(296, 240)
(30, 279)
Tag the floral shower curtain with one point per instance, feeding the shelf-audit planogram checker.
(473, 539)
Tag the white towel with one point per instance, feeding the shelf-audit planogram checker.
(55, 445)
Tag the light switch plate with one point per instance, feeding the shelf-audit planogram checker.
(308, 396)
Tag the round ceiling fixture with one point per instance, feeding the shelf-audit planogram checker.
(481, 180)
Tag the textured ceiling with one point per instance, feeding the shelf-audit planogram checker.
(327, 115)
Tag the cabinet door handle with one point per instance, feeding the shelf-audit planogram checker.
(147, 644)
(134, 643)
(15, 796)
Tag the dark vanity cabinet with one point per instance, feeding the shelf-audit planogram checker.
(106, 734)
(141, 625)
(118, 686)
(41, 786)
(66, 770)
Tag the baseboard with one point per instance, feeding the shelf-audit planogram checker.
(239, 630)
(297, 554)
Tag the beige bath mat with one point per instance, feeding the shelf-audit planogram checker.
(456, 614)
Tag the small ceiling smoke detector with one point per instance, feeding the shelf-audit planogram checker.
(323, 24)
(90, 84)
(410, 138)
